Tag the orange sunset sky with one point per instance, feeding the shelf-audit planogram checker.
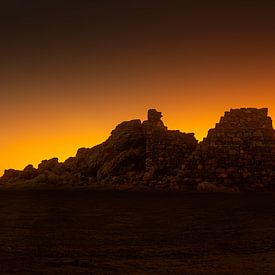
(71, 72)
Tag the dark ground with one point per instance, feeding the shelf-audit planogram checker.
(105, 232)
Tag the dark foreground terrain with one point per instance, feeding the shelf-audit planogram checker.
(105, 232)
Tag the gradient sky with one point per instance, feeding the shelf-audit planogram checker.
(70, 71)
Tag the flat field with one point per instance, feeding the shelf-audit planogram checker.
(83, 231)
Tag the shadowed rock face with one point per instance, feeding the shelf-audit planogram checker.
(238, 154)
(11, 175)
(119, 159)
(135, 154)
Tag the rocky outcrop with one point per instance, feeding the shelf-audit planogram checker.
(238, 154)
(120, 159)
(11, 175)
(136, 154)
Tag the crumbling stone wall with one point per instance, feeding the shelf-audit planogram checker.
(166, 150)
(239, 151)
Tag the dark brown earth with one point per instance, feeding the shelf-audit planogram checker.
(106, 232)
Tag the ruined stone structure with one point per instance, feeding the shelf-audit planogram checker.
(239, 152)
(153, 122)
(166, 150)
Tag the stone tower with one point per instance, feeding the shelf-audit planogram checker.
(239, 151)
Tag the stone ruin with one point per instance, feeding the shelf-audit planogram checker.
(153, 121)
(238, 154)
(166, 151)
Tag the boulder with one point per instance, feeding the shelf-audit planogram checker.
(29, 172)
(10, 176)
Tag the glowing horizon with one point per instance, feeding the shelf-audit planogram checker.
(70, 72)
(64, 142)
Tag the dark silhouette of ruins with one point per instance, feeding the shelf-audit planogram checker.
(237, 155)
